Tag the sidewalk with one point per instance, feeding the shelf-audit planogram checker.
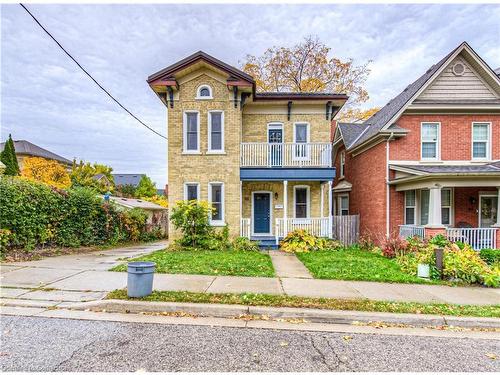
(78, 278)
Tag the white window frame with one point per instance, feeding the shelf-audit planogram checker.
(308, 201)
(198, 91)
(186, 190)
(419, 206)
(438, 141)
(450, 207)
(184, 133)
(414, 208)
(342, 164)
(308, 140)
(210, 151)
(276, 125)
(488, 142)
(217, 223)
(339, 204)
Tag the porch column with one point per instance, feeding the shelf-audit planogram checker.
(321, 201)
(285, 207)
(435, 206)
(330, 219)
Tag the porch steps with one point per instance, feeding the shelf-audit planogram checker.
(265, 242)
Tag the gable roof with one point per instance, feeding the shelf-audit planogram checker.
(127, 178)
(350, 132)
(385, 116)
(191, 59)
(23, 147)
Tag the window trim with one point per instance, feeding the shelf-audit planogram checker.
(438, 141)
(339, 204)
(184, 133)
(198, 91)
(451, 207)
(210, 150)
(342, 164)
(308, 201)
(414, 208)
(222, 222)
(186, 190)
(488, 142)
(276, 125)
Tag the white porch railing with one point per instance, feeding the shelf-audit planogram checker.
(406, 231)
(317, 226)
(298, 155)
(245, 227)
(477, 238)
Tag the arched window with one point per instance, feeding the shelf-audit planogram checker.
(204, 92)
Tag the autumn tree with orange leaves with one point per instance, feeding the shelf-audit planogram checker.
(49, 172)
(308, 67)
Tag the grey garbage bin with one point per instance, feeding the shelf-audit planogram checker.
(140, 278)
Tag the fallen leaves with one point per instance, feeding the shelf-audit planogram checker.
(491, 356)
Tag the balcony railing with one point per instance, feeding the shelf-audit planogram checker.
(410, 231)
(477, 238)
(317, 226)
(295, 155)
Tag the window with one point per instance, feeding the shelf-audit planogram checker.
(216, 131)
(342, 164)
(191, 191)
(191, 132)
(300, 138)
(301, 200)
(204, 92)
(446, 206)
(430, 141)
(410, 203)
(343, 205)
(481, 141)
(216, 197)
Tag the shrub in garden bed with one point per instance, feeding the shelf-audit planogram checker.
(301, 241)
(490, 256)
(36, 215)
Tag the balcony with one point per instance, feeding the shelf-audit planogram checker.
(286, 155)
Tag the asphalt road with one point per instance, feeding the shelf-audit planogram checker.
(43, 344)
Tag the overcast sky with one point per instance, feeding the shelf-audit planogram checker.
(47, 100)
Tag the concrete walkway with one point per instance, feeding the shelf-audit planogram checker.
(287, 265)
(68, 279)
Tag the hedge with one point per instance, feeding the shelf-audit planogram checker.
(34, 214)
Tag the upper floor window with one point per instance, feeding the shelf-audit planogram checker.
(191, 133)
(300, 138)
(204, 92)
(215, 131)
(430, 141)
(342, 164)
(481, 140)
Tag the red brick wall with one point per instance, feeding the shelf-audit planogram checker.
(456, 136)
(465, 210)
(366, 173)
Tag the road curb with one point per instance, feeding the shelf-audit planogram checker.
(309, 315)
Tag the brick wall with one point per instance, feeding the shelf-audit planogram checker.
(456, 136)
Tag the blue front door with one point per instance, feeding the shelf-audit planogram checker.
(261, 213)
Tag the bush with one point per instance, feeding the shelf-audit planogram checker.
(490, 256)
(244, 244)
(464, 265)
(300, 241)
(439, 240)
(34, 214)
(191, 218)
(393, 247)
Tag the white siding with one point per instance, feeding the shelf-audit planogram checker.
(448, 86)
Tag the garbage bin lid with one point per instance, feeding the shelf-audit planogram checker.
(141, 264)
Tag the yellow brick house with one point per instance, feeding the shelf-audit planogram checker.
(263, 159)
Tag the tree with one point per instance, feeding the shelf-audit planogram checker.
(126, 191)
(8, 157)
(47, 171)
(357, 115)
(85, 174)
(307, 67)
(145, 188)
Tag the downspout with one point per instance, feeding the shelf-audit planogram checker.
(388, 195)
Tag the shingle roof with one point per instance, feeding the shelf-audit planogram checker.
(350, 131)
(23, 147)
(136, 203)
(127, 178)
(497, 71)
(439, 169)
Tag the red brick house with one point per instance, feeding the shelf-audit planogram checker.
(429, 161)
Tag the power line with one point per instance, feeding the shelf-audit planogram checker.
(90, 76)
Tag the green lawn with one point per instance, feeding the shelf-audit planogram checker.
(209, 262)
(352, 264)
(250, 299)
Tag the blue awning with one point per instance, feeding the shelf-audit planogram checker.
(292, 174)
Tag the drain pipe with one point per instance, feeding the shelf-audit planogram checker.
(388, 195)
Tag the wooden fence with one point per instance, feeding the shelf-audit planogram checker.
(346, 229)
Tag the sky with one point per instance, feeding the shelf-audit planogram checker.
(47, 100)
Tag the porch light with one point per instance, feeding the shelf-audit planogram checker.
(276, 195)
(472, 200)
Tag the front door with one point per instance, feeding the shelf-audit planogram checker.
(487, 211)
(262, 213)
(275, 138)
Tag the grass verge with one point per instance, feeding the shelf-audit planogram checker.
(209, 262)
(250, 299)
(353, 264)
